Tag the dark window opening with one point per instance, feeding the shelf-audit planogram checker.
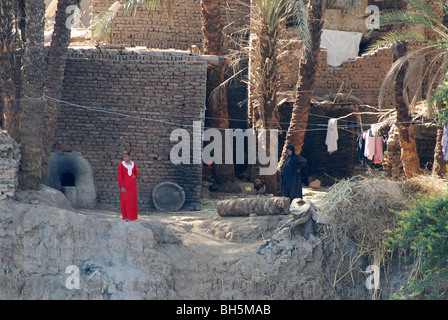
(67, 180)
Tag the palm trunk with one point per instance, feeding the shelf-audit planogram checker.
(263, 82)
(212, 29)
(305, 84)
(409, 155)
(439, 166)
(9, 116)
(32, 102)
(55, 76)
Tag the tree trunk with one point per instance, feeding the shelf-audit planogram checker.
(55, 76)
(212, 29)
(264, 84)
(32, 102)
(409, 155)
(439, 166)
(259, 205)
(305, 84)
(8, 64)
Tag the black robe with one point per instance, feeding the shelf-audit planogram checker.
(291, 178)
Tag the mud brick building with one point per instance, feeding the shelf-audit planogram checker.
(169, 86)
(153, 29)
(145, 96)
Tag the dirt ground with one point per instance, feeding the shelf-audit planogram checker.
(165, 255)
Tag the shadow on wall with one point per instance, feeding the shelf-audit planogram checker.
(72, 174)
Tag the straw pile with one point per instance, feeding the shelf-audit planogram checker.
(359, 211)
(425, 184)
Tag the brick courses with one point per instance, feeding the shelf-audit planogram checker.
(167, 86)
(154, 30)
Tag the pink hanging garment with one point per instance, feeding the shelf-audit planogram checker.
(369, 148)
(378, 153)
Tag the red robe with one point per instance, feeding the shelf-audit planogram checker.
(128, 199)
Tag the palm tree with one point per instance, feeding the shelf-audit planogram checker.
(32, 119)
(269, 19)
(60, 42)
(304, 88)
(9, 39)
(405, 74)
(213, 44)
(32, 104)
(305, 85)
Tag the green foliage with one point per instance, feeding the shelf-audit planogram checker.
(441, 96)
(422, 231)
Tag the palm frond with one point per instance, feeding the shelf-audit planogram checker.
(423, 8)
(435, 78)
(151, 5)
(103, 23)
(391, 75)
(400, 17)
(300, 14)
(396, 36)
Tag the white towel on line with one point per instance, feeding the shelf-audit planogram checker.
(332, 136)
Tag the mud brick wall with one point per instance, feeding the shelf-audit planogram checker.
(166, 86)
(154, 30)
(362, 76)
(9, 165)
(341, 163)
(344, 163)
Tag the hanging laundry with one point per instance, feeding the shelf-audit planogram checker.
(375, 129)
(378, 154)
(369, 148)
(360, 143)
(332, 136)
(341, 45)
(444, 142)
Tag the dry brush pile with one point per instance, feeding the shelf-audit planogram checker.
(360, 210)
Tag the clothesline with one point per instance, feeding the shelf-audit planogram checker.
(121, 112)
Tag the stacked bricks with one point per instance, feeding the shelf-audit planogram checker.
(9, 165)
(167, 88)
(362, 76)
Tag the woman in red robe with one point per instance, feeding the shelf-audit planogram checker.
(127, 180)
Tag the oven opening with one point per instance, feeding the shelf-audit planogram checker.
(67, 179)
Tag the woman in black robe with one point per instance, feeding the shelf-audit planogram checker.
(291, 178)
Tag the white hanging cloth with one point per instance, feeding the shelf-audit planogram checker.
(332, 136)
(341, 45)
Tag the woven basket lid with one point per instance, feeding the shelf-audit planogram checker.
(168, 196)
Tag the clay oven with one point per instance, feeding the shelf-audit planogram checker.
(72, 174)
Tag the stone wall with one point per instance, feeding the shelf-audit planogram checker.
(144, 93)
(9, 165)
